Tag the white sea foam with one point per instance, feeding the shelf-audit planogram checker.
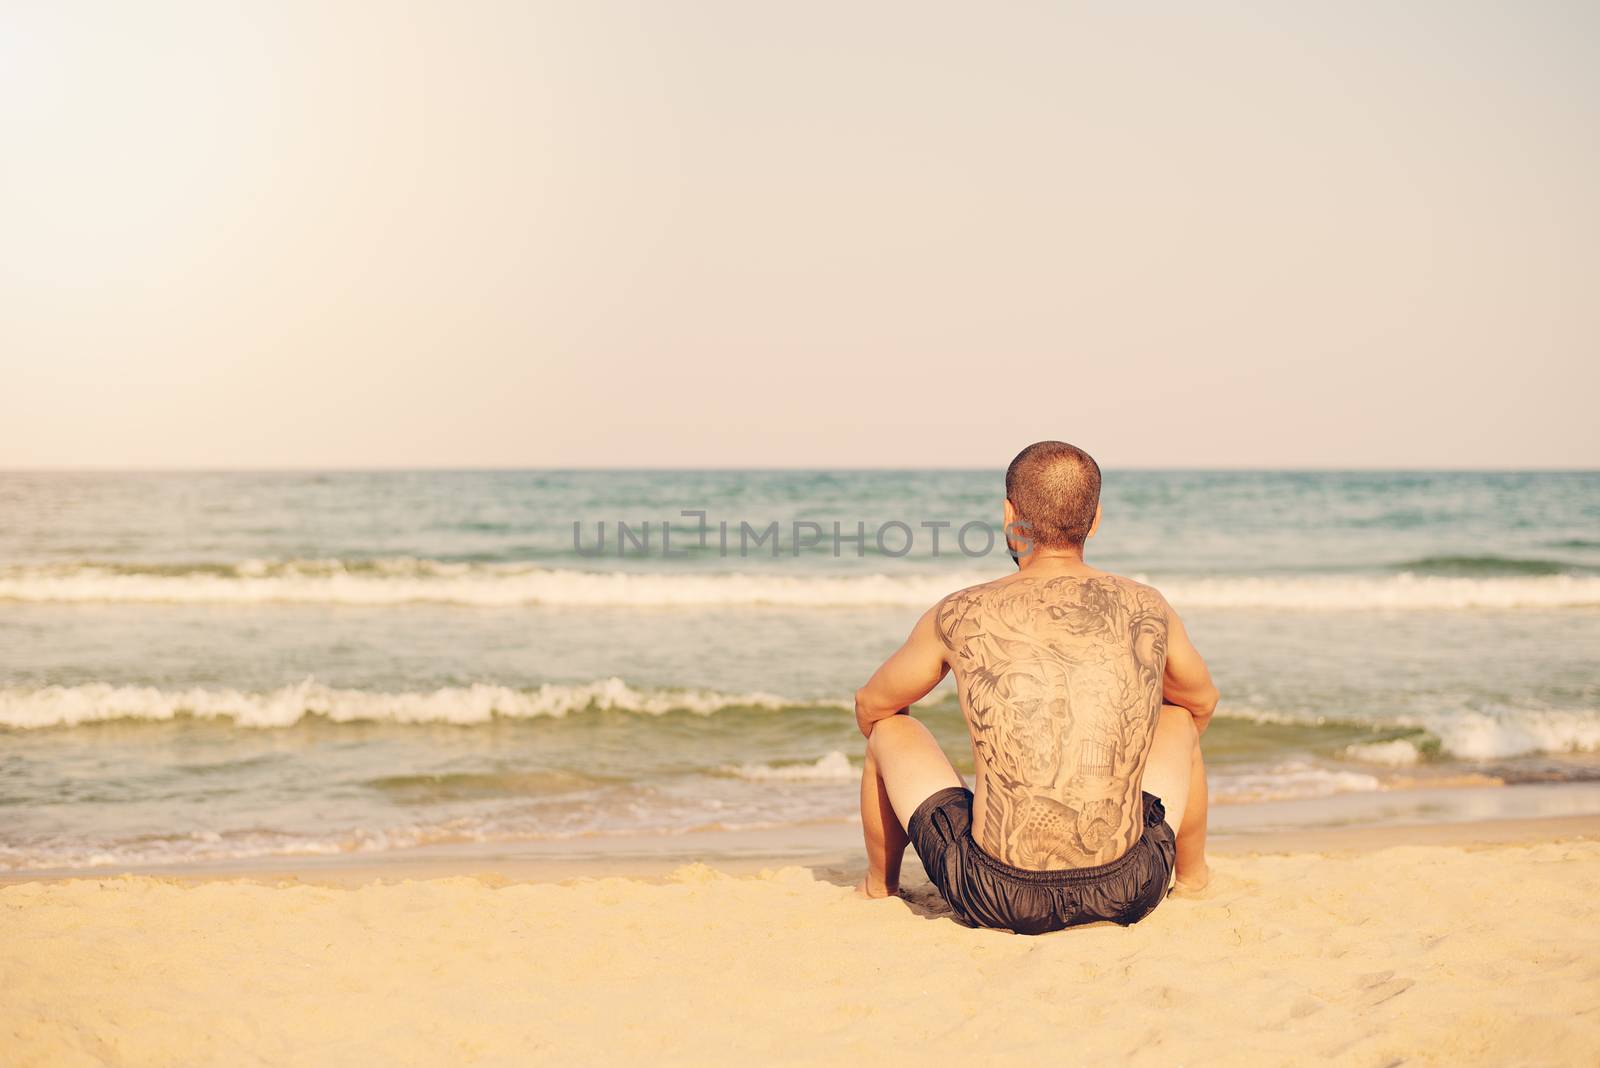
(405, 581)
(1403, 592)
(61, 706)
(1493, 733)
(1460, 733)
(834, 767)
(1483, 735)
(1399, 753)
(584, 823)
(212, 846)
(1289, 781)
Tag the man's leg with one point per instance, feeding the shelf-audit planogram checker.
(1176, 773)
(904, 767)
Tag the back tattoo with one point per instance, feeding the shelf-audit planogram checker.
(1061, 682)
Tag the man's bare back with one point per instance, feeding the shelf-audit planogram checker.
(1084, 700)
(1060, 679)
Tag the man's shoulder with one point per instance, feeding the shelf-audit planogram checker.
(976, 590)
(1141, 597)
(977, 594)
(958, 605)
(1141, 594)
(979, 591)
(978, 600)
(1133, 585)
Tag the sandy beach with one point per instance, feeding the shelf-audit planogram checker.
(480, 483)
(1454, 944)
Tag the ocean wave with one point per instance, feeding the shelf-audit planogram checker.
(1395, 753)
(1403, 592)
(833, 767)
(1402, 739)
(1291, 781)
(442, 787)
(1489, 565)
(208, 847)
(68, 706)
(1486, 735)
(405, 580)
(1457, 733)
(213, 846)
(411, 581)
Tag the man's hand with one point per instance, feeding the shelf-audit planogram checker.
(905, 678)
(865, 724)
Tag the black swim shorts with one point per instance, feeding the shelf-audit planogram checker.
(985, 892)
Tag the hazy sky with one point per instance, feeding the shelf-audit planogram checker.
(744, 233)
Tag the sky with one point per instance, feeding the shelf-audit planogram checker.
(735, 234)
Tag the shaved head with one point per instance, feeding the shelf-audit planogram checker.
(1054, 488)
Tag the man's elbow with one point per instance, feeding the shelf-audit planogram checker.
(1199, 701)
(870, 708)
(1205, 703)
(866, 707)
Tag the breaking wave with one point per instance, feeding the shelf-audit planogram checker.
(406, 580)
(1477, 566)
(1288, 781)
(69, 706)
(1492, 733)
(833, 767)
(1402, 739)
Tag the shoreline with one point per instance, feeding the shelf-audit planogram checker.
(842, 867)
(1344, 824)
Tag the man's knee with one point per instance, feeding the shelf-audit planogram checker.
(908, 759)
(891, 731)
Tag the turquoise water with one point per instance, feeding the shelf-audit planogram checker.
(201, 667)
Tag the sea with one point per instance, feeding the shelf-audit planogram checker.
(205, 668)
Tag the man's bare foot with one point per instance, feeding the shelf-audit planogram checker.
(875, 888)
(1192, 880)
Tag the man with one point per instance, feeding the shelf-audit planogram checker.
(1085, 701)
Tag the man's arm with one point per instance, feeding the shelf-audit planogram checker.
(1188, 683)
(905, 678)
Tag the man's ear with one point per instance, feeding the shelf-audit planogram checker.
(1014, 542)
(1095, 525)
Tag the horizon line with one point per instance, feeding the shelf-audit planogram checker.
(631, 468)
